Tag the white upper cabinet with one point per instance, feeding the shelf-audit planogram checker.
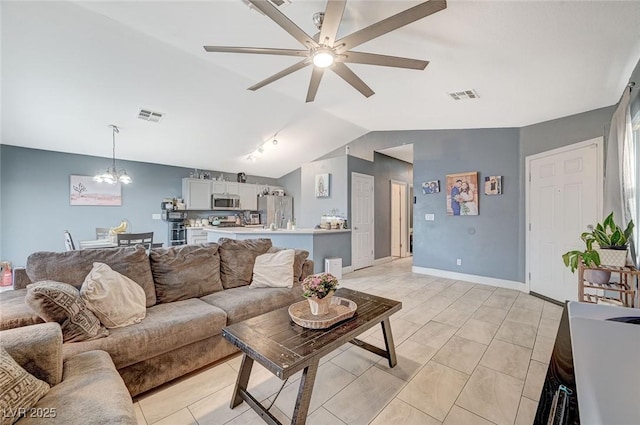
(218, 187)
(248, 196)
(196, 194)
(232, 188)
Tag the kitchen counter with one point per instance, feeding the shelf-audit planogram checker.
(320, 243)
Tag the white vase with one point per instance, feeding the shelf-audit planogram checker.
(320, 306)
(612, 257)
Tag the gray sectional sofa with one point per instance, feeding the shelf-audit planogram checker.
(192, 292)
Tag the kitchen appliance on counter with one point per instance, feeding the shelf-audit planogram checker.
(254, 218)
(225, 221)
(175, 221)
(225, 202)
(275, 209)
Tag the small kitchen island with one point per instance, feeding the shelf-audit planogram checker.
(320, 243)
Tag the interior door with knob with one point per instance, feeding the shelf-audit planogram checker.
(362, 207)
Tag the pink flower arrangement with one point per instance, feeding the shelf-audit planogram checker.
(319, 285)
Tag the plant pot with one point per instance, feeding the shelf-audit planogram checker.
(320, 306)
(612, 257)
(597, 276)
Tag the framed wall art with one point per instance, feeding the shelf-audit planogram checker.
(322, 186)
(462, 193)
(430, 187)
(84, 191)
(493, 185)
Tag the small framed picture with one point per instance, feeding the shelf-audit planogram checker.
(462, 193)
(493, 185)
(430, 187)
(322, 186)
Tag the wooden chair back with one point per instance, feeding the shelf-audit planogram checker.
(131, 239)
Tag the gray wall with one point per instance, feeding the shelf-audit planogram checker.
(312, 208)
(291, 183)
(35, 210)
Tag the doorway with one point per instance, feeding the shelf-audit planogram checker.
(362, 231)
(563, 197)
(399, 219)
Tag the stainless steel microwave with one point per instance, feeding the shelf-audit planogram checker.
(225, 202)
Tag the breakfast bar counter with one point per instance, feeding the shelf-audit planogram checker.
(320, 243)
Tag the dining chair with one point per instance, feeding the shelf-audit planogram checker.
(131, 239)
(68, 241)
(102, 232)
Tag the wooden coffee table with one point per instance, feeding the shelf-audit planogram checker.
(284, 348)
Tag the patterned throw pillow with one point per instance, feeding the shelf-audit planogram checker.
(19, 390)
(60, 302)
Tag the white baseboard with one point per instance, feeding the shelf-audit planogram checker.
(348, 269)
(483, 280)
(382, 260)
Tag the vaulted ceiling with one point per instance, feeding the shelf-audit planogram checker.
(71, 68)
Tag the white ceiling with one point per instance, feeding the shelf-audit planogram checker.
(402, 152)
(71, 68)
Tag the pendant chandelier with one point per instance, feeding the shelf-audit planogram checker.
(112, 175)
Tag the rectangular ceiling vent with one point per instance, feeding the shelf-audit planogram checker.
(151, 116)
(464, 95)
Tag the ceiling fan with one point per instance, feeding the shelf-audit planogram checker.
(325, 52)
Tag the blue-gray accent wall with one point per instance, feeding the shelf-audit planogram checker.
(35, 210)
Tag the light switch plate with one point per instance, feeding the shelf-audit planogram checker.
(430, 217)
(155, 216)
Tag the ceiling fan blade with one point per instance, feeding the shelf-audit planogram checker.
(279, 18)
(256, 50)
(331, 21)
(293, 68)
(392, 23)
(316, 76)
(348, 75)
(382, 60)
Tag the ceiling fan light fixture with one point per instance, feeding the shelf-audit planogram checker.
(323, 58)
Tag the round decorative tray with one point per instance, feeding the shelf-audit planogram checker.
(340, 309)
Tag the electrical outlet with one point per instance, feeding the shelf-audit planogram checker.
(459, 261)
(430, 217)
(155, 216)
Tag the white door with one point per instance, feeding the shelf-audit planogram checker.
(564, 196)
(399, 229)
(362, 240)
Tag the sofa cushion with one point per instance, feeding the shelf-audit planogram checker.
(60, 302)
(237, 259)
(19, 389)
(14, 312)
(73, 266)
(273, 270)
(298, 263)
(114, 298)
(166, 327)
(244, 302)
(187, 271)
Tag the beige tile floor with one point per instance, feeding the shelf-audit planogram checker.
(467, 354)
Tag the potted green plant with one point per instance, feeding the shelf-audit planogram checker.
(606, 244)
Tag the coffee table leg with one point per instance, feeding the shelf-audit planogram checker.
(304, 393)
(242, 381)
(388, 342)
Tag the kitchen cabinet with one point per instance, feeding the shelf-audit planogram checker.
(220, 187)
(196, 236)
(232, 188)
(248, 196)
(196, 194)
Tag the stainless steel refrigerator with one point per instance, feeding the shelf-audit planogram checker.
(275, 209)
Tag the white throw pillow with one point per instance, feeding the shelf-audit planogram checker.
(274, 270)
(115, 299)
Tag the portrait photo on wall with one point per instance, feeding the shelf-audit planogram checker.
(322, 185)
(431, 187)
(462, 193)
(493, 185)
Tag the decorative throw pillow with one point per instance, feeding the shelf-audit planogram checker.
(187, 271)
(237, 258)
(274, 270)
(19, 390)
(60, 302)
(117, 300)
(298, 263)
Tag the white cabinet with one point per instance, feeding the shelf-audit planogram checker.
(218, 187)
(196, 194)
(248, 196)
(196, 236)
(232, 188)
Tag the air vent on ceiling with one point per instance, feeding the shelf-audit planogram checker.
(148, 115)
(276, 3)
(464, 95)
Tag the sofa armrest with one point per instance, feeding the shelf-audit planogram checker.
(37, 348)
(307, 269)
(20, 278)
